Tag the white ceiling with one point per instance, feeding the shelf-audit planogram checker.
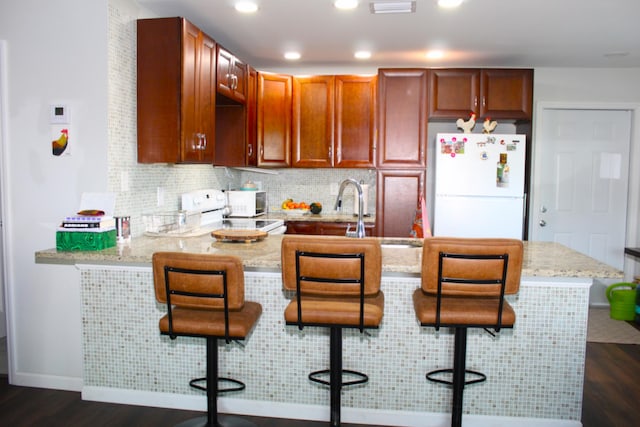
(481, 33)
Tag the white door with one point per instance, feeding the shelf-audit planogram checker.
(581, 181)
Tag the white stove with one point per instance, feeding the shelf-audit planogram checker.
(211, 205)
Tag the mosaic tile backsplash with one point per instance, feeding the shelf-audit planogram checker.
(535, 370)
(136, 185)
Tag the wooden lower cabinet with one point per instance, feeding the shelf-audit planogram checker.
(326, 228)
(398, 192)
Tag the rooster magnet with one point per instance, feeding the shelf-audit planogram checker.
(61, 142)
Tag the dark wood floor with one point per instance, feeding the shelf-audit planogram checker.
(611, 399)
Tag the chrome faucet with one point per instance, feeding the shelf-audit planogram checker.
(359, 233)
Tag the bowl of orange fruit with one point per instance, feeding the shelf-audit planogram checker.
(290, 207)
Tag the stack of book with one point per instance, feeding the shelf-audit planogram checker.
(86, 233)
(88, 223)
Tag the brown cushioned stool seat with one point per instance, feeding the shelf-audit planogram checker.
(336, 281)
(204, 295)
(464, 282)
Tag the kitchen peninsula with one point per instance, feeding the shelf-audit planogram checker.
(535, 371)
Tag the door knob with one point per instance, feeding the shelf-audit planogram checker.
(543, 209)
(542, 223)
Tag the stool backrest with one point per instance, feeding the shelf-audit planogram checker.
(198, 280)
(334, 272)
(471, 266)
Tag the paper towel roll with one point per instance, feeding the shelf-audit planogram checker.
(365, 200)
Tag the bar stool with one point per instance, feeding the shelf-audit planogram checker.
(204, 294)
(337, 285)
(464, 282)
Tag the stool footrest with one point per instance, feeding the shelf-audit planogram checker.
(239, 384)
(362, 378)
(431, 376)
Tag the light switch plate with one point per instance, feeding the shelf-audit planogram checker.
(59, 114)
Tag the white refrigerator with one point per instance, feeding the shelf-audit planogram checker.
(479, 185)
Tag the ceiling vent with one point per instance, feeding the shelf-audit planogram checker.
(377, 7)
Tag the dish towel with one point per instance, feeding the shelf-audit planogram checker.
(421, 227)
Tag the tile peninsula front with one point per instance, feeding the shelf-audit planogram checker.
(535, 371)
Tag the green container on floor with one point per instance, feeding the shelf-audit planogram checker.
(622, 300)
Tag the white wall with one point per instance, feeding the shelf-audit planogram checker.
(57, 52)
(601, 88)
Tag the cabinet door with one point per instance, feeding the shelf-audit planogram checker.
(231, 76)
(340, 228)
(402, 117)
(355, 121)
(251, 117)
(398, 192)
(239, 70)
(190, 135)
(313, 113)
(507, 93)
(274, 120)
(453, 93)
(301, 227)
(175, 68)
(206, 98)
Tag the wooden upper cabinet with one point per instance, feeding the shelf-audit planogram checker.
(232, 77)
(497, 93)
(251, 145)
(402, 117)
(274, 120)
(176, 66)
(355, 121)
(236, 134)
(453, 93)
(507, 94)
(313, 121)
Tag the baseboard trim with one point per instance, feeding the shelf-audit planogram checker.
(309, 412)
(46, 381)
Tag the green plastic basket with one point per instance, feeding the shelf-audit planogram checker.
(622, 300)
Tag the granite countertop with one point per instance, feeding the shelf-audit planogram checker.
(541, 259)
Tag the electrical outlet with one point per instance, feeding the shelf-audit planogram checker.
(334, 188)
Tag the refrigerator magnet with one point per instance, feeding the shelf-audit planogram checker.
(484, 155)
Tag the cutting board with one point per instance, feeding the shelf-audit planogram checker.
(247, 236)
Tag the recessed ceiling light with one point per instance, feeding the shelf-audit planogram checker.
(449, 3)
(362, 54)
(392, 7)
(435, 54)
(246, 6)
(292, 56)
(345, 4)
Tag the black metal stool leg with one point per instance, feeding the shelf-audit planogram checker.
(459, 369)
(336, 374)
(212, 419)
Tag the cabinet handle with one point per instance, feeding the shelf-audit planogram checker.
(330, 153)
(475, 101)
(484, 102)
(235, 82)
(204, 142)
(229, 77)
(250, 150)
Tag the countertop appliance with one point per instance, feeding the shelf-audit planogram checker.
(479, 185)
(247, 203)
(211, 204)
